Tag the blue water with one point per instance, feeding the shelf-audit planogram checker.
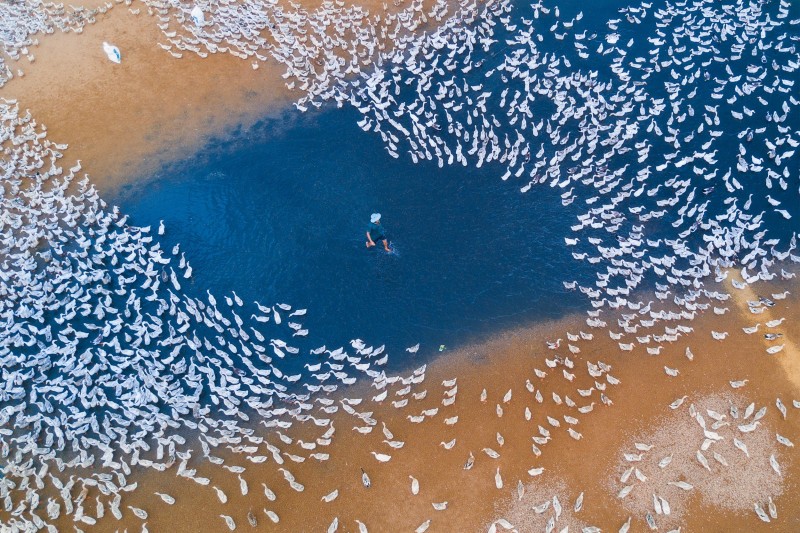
(279, 214)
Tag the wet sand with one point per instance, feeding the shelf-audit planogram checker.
(591, 465)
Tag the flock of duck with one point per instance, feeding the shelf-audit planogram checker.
(657, 476)
(110, 363)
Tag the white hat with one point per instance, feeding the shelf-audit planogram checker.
(375, 217)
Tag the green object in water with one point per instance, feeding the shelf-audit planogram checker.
(441, 347)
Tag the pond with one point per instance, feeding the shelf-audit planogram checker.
(279, 213)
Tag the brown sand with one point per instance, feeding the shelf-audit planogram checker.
(789, 357)
(125, 121)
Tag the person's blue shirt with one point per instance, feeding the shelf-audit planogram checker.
(376, 232)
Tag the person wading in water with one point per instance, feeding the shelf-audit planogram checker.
(375, 232)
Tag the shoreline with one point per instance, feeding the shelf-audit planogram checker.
(125, 121)
(504, 363)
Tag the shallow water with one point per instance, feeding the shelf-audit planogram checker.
(280, 213)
